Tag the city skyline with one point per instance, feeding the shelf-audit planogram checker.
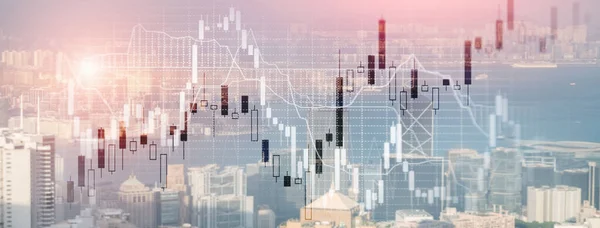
(307, 114)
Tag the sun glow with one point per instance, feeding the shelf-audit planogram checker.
(88, 68)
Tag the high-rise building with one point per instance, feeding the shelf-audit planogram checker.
(576, 178)
(468, 181)
(225, 211)
(27, 190)
(219, 197)
(60, 188)
(44, 154)
(592, 180)
(139, 201)
(536, 171)
(553, 22)
(176, 181)
(576, 14)
(510, 14)
(266, 218)
(557, 204)
(16, 186)
(168, 203)
(211, 179)
(59, 168)
(176, 177)
(505, 179)
(499, 35)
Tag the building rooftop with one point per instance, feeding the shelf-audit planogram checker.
(450, 214)
(16, 139)
(412, 213)
(132, 184)
(557, 187)
(462, 152)
(266, 212)
(110, 212)
(333, 200)
(581, 170)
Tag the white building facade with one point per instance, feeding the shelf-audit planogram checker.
(557, 204)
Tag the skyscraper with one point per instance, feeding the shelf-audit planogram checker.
(578, 178)
(60, 188)
(176, 182)
(576, 14)
(176, 177)
(510, 14)
(505, 179)
(168, 204)
(468, 181)
(499, 35)
(537, 170)
(225, 211)
(553, 22)
(219, 197)
(16, 186)
(59, 168)
(27, 189)
(43, 166)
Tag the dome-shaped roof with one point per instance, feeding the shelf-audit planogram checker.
(132, 185)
